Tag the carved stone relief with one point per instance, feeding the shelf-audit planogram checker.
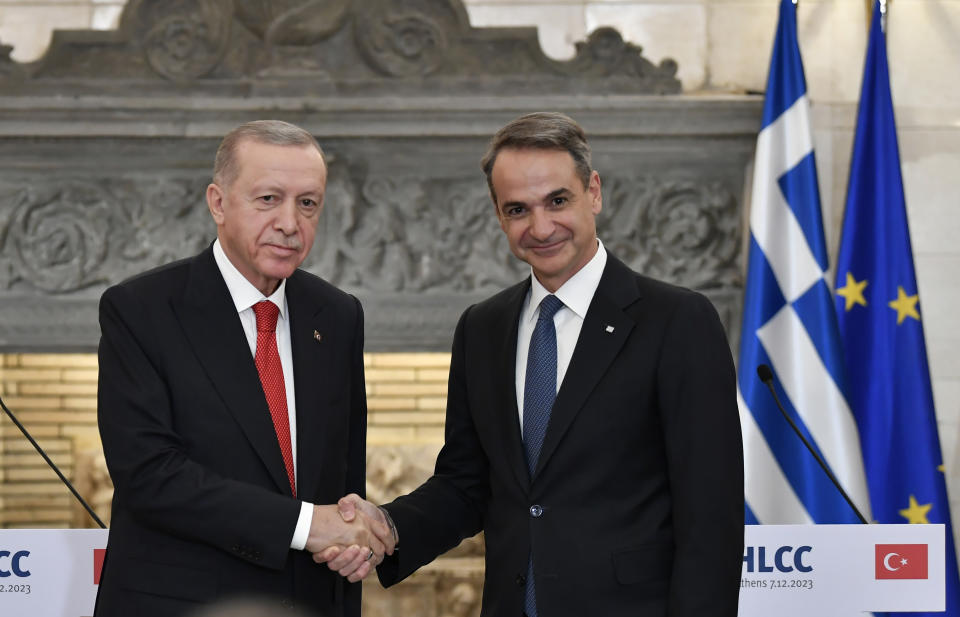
(75, 234)
(183, 40)
(674, 230)
(404, 93)
(338, 45)
(384, 237)
(380, 234)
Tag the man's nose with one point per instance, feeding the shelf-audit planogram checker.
(286, 217)
(541, 224)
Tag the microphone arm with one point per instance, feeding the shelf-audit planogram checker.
(766, 376)
(53, 466)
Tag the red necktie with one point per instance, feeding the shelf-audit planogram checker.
(271, 378)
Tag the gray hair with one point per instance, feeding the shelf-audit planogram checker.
(275, 132)
(542, 130)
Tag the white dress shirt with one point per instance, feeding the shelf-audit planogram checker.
(244, 296)
(576, 295)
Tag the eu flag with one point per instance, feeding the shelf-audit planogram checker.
(881, 326)
(789, 322)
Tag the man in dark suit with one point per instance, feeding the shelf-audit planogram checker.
(231, 401)
(592, 430)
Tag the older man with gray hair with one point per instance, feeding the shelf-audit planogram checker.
(232, 406)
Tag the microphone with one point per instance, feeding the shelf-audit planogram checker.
(53, 466)
(766, 376)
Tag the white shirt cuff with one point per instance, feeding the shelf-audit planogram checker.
(302, 531)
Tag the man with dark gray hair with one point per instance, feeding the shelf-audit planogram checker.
(231, 404)
(592, 430)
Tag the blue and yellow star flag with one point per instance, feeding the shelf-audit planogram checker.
(881, 325)
(789, 322)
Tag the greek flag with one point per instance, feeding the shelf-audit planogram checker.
(789, 321)
(881, 325)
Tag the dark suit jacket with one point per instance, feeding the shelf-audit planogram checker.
(202, 507)
(639, 485)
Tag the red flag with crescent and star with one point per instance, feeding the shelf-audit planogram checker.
(901, 561)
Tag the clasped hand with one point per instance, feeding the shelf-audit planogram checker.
(351, 537)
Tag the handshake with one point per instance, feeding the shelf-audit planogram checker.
(352, 537)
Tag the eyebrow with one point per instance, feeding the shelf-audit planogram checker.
(560, 192)
(277, 190)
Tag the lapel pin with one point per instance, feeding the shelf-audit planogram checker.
(609, 329)
(316, 336)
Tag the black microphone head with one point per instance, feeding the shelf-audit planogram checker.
(764, 373)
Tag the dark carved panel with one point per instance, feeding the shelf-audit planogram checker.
(106, 146)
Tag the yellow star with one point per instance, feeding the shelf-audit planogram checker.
(853, 292)
(940, 468)
(916, 514)
(906, 306)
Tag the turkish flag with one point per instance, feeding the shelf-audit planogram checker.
(901, 561)
(98, 555)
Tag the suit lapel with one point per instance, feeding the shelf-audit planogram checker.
(505, 388)
(312, 365)
(596, 349)
(212, 325)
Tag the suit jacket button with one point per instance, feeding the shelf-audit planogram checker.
(536, 511)
(521, 580)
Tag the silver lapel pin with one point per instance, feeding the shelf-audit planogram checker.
(609, 329)
(316, 336)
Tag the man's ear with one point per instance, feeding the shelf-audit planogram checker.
(215, 198)
(596, 195)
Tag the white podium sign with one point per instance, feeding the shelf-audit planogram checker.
(50, 572)
(788, 570)
(838, 570)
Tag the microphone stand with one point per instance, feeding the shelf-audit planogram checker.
(766, 376)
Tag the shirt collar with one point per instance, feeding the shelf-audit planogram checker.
(242, 291)
(577, 293)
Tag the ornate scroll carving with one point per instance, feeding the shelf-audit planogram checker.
(679, 231)
(293, 22)
(373, 44)
(393, 234)
(401, 39)
(76, 234)
(411, 235)
(57, 237)
(606, 54)
(184, 39)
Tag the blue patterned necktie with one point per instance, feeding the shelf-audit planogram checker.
(539, 391)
